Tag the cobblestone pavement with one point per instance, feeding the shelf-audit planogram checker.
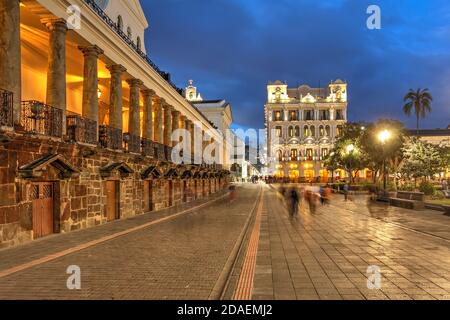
(326, 255)
(180, 258)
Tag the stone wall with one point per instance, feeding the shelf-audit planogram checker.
(80, 200)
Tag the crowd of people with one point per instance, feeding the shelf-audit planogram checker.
(311, 195)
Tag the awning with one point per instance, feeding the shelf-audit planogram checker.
(36, 168)
(120, 167)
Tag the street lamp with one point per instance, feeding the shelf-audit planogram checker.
(384, 136)
(350, 148)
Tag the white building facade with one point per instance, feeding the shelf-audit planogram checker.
(302, 126)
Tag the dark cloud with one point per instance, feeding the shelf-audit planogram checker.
(231, 48)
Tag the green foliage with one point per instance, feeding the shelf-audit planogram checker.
(421, 159)
(427, 188)
(407, 187)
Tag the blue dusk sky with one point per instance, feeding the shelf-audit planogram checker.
(232, 48)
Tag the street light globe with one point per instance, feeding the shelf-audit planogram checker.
(384, 135)
(350, 148)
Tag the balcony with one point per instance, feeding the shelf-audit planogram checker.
(6, 108)
(41, 119)
(132, 143)
(81, 130)
(110, 138)
(149, 148)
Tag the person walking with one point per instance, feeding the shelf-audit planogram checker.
(294, 200)
(444, 185)
(346, 189)
(322, 195)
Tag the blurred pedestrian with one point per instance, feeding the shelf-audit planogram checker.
(444, 185)
(294, 202)
(346, 190)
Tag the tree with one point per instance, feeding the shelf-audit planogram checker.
(421, 159)
(331, 162)
(420, 100)
(347, 153)
(375, 152)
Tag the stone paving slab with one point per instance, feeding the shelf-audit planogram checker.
(326, 255)
(178, 259)
(36, 249)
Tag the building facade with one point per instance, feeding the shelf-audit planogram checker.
(220, 115)
(86, 120)
(302, 125)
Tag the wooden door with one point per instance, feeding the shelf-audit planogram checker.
(112, 200)
(195, 189)
(43, 202)
(170, 193)
(150, 195)
(185, 191)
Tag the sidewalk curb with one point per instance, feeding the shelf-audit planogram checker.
(222, 283)
(86, 245)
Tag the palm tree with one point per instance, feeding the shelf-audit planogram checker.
(420, 100)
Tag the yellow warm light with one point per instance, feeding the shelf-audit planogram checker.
(350, 148)
(384, 136)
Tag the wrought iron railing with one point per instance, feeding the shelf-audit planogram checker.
(110, 138)
(40, 118)
(148, 148)
(132, 143)
(158, 152)
(81, 129)
(168, 153)
(6, 108)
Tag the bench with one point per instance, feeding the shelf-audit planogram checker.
(446, 210)
(408, 200)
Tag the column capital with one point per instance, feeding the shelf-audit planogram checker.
(134, 82)
(55, 24)
(116, 69)
(184, 118)
(91, 50)
(175, 112)
(167, 107)
(148, 92)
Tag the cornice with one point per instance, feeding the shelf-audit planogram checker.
(96, 32)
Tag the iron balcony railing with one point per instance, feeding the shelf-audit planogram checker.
(148, 148)
(132, 143)
(110, 138)
(40, 118)
(6, 108)
(81, 129)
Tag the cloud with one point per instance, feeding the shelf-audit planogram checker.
(232, 48)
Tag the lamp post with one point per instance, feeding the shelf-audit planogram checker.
(349, 151)
(383, 137)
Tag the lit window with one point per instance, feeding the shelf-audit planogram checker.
(279, 132)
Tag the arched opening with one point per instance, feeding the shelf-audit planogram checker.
(313, 131)
(279, 155)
